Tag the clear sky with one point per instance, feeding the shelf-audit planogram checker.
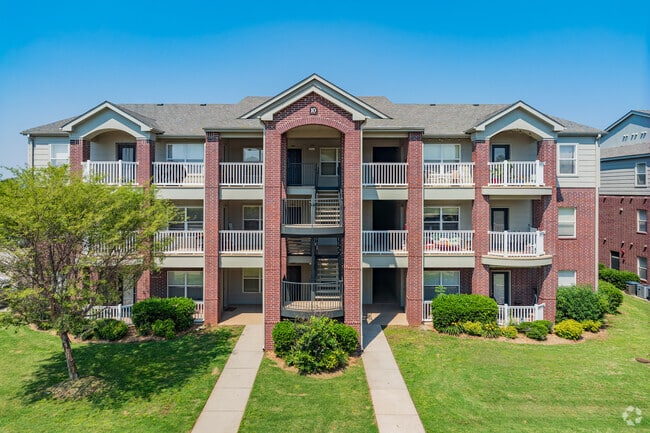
(584, 61)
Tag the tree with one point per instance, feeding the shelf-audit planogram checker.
(66, 243)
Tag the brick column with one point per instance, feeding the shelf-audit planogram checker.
(352, 202)
(144, 153)
(273, 194)
(414, 224)
(143, 287)
(547, 209)
(79, 153)
(212, 300)
(481, 216)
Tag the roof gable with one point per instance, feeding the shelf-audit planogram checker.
(641, 113)
(146, 125)
(359, 109)
(519, 105)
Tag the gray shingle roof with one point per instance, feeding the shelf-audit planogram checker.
(193, 119)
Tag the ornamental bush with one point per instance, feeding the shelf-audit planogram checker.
(492, 330)
(449, 309)
(454, 329)
(591, 325)
(284, 335)
(145, 313)
(615, 277)
(109, 329)
(537, 331)
(579, 303)
(346, 336)
(569, 329)
(473, 328)
(509, 331)
(164, 328)
(613, 295)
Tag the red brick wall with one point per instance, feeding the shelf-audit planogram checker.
(144, 153)
(414, 218)
(618, 230)
(79, 152)
(159, 283)
(212, 300)
(481, 216)
(523, 282)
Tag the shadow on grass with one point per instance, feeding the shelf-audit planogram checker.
(134, 370)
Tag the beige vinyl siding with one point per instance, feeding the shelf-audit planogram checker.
(586, 163)
(42, 149)
(618, 178)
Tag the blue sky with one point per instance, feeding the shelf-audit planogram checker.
(584, 61)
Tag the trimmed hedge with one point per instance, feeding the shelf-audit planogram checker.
(449, 309)
(579, 303)
(109, 329)
(163, 328)
(284, 335)
(569, 329)
(613, 295)
(537, 330)
(591, 325)
(509, 331)
(145, 313)
(617, 278)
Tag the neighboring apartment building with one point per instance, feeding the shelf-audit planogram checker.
(316, 201)
(625, 194)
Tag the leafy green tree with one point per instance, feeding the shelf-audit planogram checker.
(66, 243)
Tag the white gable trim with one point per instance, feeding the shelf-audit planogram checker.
(520, 105)
(625, 117)
(316, 84)
(68, 127)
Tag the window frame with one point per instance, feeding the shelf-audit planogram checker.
(643, 277)
(186, 222)
(573, 223)
(185, 285)
(441, 160)
(260, 219)
(571, 277)
(337, 162)
(169, 152)
(615, 255)
(440, 273)
(574, 159)
(259, 277)
(59, 161)
(258, 150)
(637, 174)
(641, 221)
(441, 222)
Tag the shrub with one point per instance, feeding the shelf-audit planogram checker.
(523, 327)
(569, 329)
(347, 337)
(145, 313)
(509, 331)
(537, 331)
(547, 323)
(453, 329)
(473, 328)
(579, 303)
(617, 278)
(82, 328)
(447, 309)
(164, 328)
(613, 295)
(591, 325)
(109, 329)
(492, 330)
(284, 335)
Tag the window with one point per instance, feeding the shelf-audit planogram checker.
(640, 178)
(641, 221)
(59, 154)
(252, 217)
(185, 284)
(566, 278)
(442, 152)
(441, 218)
(329, 162)
(189, 218)
(614, 260)
(567, 159)
(566, 222)
(252, 280)
(450, 280)
(252, 154)
(642, 267)
(185, 152)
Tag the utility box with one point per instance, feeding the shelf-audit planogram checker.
(643, 291)
(630, 287)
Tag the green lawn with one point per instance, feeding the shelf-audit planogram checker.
(285, 402)
(154, 386)
(462, 384)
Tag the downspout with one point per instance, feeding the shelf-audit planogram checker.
(597, 235)
(30, 140)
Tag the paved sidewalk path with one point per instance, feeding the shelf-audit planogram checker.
(394, 409)
(225, 407)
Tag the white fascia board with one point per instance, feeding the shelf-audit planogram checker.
(557, 127)
(104, 106)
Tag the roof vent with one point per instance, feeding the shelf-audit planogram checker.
(203, 105)
(160, 105)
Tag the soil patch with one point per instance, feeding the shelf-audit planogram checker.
(280, 363)
(78, 389)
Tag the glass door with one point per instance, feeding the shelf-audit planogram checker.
(501, 287)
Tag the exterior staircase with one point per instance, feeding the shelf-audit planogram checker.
(328, 208)
(299, 246)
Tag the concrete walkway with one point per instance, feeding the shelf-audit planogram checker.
(394, 409)
(225, 407)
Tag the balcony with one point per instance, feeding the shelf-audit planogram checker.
(308, 299)
(178, 173)
(517, 249)
(384, 242)
(302, 174)
(312, 216)
(448, 242)
(517, 178)
(241, 174)
(449, 174)
(181, 242)
(241, 242)
(384, 174)
(111, 172)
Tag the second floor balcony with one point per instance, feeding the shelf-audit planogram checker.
(111, 172)
(384, 174)
(516, 173)
(448, 242)
(178, 173)
(241, 174)
(449, 174)
(516, 244)
(384, 242)
(181, 241)
(241, 242)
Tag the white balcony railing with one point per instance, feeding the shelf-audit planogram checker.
(384, 174)
(509, 315)
(111, 172)
(516, 173)
(449, 174)
(384, 242)
(181, 242)
(516, 244)
(448, 241)
(312, 298)
(199, 311)
(241, 173)
(241, 241)
(178, 173)
(118, 312)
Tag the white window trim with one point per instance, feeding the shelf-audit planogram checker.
(338, 161)
(244, 219)
(440, 271)
(63, 160)
(440, 161)
(636, 174)
(185, 285)
(638, 268)
(168, 146)
(260, 279)
(573, 236)
(185, 221)
(572, 277)
(575, 161)
(639, 220)
(441, 214)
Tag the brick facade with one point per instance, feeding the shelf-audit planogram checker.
(79, 153)
(145, 155)
(481, 216)
(414, 219)
(211, 289)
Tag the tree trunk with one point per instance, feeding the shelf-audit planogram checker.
(69, 359)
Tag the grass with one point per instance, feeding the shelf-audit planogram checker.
(283, 401)
(464, 384)
(151, 387)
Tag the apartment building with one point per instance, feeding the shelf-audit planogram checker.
(317, 201)
(624, 194)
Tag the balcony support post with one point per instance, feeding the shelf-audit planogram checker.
(212, 301)
(414, 219)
